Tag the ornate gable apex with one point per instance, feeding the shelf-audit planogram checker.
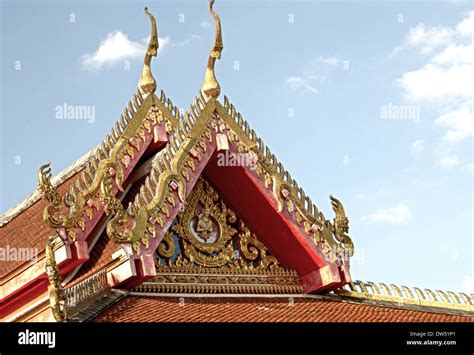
(321, 247)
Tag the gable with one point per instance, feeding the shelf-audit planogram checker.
(307, 241)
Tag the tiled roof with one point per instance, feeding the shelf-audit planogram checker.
(259, 309)
(28, 230)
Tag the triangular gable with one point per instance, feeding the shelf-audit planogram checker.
(305, 237)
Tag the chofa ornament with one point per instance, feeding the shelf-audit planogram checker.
(210, 86)
(147, 82)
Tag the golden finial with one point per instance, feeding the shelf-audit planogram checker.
(147, 81)
(211, 87)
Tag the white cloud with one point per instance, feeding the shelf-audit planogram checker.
(427, 39)
(297, 83)
(115, 47)
(448, 161)
(394, 215)
(163, 41)
(205, 24)
(315, 73)
(456, 54)
(468, 285)
(446, 79)
(417, 146)
(460, 124)
(433, 82)
(319, 78)
(186, 42)
(466, 26)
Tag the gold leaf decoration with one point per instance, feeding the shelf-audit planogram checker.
(217, 252)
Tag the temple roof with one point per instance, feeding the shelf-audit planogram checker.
(110, 211)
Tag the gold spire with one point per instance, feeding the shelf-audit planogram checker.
(147, 81)
(211, 87)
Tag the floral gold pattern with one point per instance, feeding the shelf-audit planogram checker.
(235, 260)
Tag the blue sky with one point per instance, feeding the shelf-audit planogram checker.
(370, 101)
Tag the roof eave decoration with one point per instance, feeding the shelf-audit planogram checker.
(210, 86)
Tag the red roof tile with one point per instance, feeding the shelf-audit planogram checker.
(28, 230)
(259, 309)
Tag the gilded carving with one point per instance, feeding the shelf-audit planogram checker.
(211, 87)
(147, 81)
(341, 225)
(205, 225)
(56, 292)
(220, 254)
